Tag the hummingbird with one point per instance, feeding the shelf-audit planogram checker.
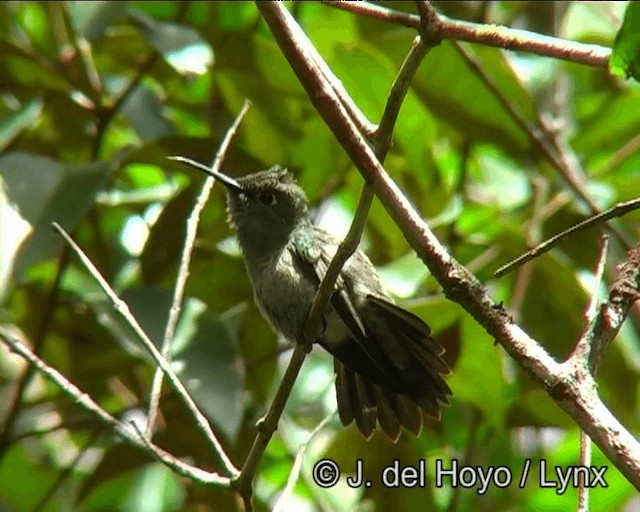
(388, 367)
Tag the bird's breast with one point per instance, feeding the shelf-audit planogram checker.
(283, 293)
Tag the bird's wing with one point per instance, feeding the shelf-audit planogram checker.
(387, 365)
(354, 349)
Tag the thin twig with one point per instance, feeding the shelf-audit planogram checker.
(122, 430)
(585, 462)
(399, 88)
(618, 158)
(123, 309)
(345, 249)
(610, 315)
(268, 424)
(591, 313)
(617, 211)
(297, 465)
(542, 138)
(183, 270)
(81, 51)
(490, 35)
(575, 174)
(598, 281)
(458, 283)
(191, 472)
(78, 424)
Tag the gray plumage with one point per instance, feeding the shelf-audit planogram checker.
(388, 366)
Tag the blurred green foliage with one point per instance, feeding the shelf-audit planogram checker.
(95, 95)
(625, 60)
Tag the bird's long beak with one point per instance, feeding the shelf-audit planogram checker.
(227, 181)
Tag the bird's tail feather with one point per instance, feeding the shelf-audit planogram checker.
(416, 389)
(369, 404)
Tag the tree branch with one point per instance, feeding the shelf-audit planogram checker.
(381, 142)
(183, 270)
(575, 397)
(490, 35)
(268, 425)
(122, 308)
(610, 315)
(617, 211)
(585, 442)
(541, 138)
(122, 430)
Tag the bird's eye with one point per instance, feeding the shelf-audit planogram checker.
(267, 198)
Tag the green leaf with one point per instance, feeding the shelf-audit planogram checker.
(204, 351)
(16, 123)
(166, 237)
(453, 92)
(497, 180)
(45, 191)
(259, 348)
(555, 324)
(211, 366)
(21, 482)
(152, 487)
(625, 59)
(478, 376)
(92, 19)
(181, 46)
(145, 115)
(23, 70)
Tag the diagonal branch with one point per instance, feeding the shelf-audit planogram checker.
(103, 417)
(183, 270)
(122, 308)
(268, 425)
(490, 35)
(381, 142)
(459, 284)
(610, 315)
(541, 138)
(617, 211)
(399, 89)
